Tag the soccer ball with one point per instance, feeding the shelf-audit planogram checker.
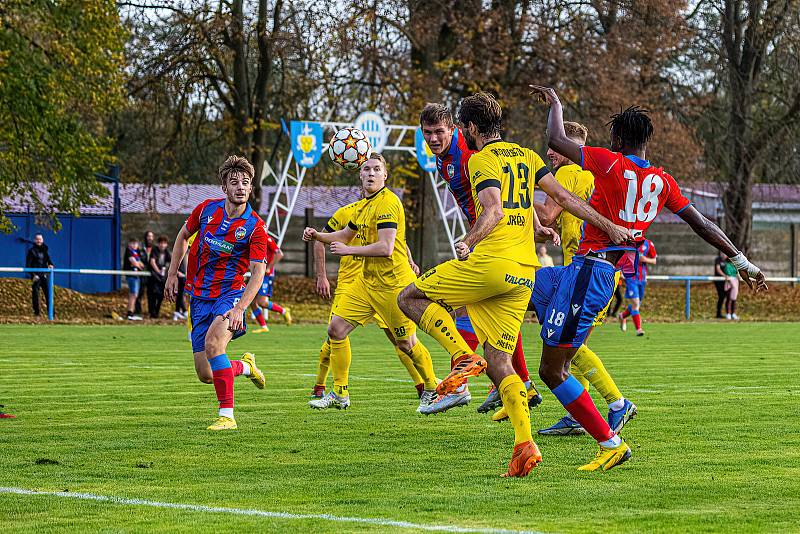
(350, 148)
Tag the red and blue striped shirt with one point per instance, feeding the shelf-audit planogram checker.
(223, 249)
(452, 168)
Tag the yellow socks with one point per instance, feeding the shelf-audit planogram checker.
(593, 369)
(408, 363)
(340, 362)
(574, 371)
(324, 363)
(423, 364)
(515, 402)
(441, 327)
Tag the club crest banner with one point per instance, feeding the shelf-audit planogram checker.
(425, 157)
(307, 142)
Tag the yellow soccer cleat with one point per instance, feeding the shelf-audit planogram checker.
(261, 330)
(287, 315)
(500, 415)
(223, 423)
(608, 457)
(256, 376)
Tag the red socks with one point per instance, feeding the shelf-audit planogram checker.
(579, 404)
(637, 320)
(518, 360)
(260, 317)
(222, 372)
(237, 367)
(275, 307)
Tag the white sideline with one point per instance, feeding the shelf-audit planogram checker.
(259, 513)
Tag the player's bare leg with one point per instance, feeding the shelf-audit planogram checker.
(526, 454)
(554, 372)
(258, 303)
(216, 343)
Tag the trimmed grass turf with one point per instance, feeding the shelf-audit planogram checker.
(716, 444)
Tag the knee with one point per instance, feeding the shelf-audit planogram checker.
(214, 345)
(205, 378)
(552, 375)
(336, 332)
(405, 345)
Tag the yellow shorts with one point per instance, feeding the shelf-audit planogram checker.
(340, 290)
(495, 291)
(359, 304)
(601, 317)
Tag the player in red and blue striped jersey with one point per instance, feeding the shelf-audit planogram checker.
(635, 273)
(630, 192)
(231, 239)
(449, 146)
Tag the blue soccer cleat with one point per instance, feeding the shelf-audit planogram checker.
(618, 418)
(566, 426)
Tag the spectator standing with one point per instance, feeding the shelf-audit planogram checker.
(159, 260)
(133, 262)
(544, 258)
(39, 258)
(731, 290)
(180, 300)
(722, 293)
(145, 248)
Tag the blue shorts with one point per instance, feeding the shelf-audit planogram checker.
(202, 313)
(634, 289)
(134, 283)
(266, 286)
(567, 299)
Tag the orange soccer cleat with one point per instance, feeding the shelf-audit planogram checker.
(526, 456)
(464, 367)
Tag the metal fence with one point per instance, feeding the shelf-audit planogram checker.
(687, 280)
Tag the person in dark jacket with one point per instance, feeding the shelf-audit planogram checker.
(146, 246)
(39, 258)
(722, 294)
(158, 264)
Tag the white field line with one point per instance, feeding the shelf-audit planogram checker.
(258, 513)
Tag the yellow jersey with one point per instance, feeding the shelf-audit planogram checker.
(515, 170)
(381, 210)
(581, 184)
(349, 266)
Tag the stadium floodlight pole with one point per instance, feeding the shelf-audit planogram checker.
(290, 181)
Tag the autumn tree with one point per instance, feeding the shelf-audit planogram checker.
(746, 56)
(61, 75)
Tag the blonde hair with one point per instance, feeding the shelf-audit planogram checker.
(235, 165)
(576, 131)
(379, 157)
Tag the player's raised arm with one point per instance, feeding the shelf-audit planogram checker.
(556, 136)
(582, 210)
(714, 236)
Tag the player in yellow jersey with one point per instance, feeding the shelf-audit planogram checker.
(493, 275)
(586, 366)
(379, 223)
(349, 271)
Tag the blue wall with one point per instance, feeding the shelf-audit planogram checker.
(85, 242)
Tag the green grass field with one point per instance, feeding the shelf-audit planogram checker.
(116, 411)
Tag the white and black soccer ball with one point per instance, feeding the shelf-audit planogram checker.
(350, 148)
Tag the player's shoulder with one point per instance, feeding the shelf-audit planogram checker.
(211, 203)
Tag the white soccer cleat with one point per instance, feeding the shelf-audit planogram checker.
(331, 400)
